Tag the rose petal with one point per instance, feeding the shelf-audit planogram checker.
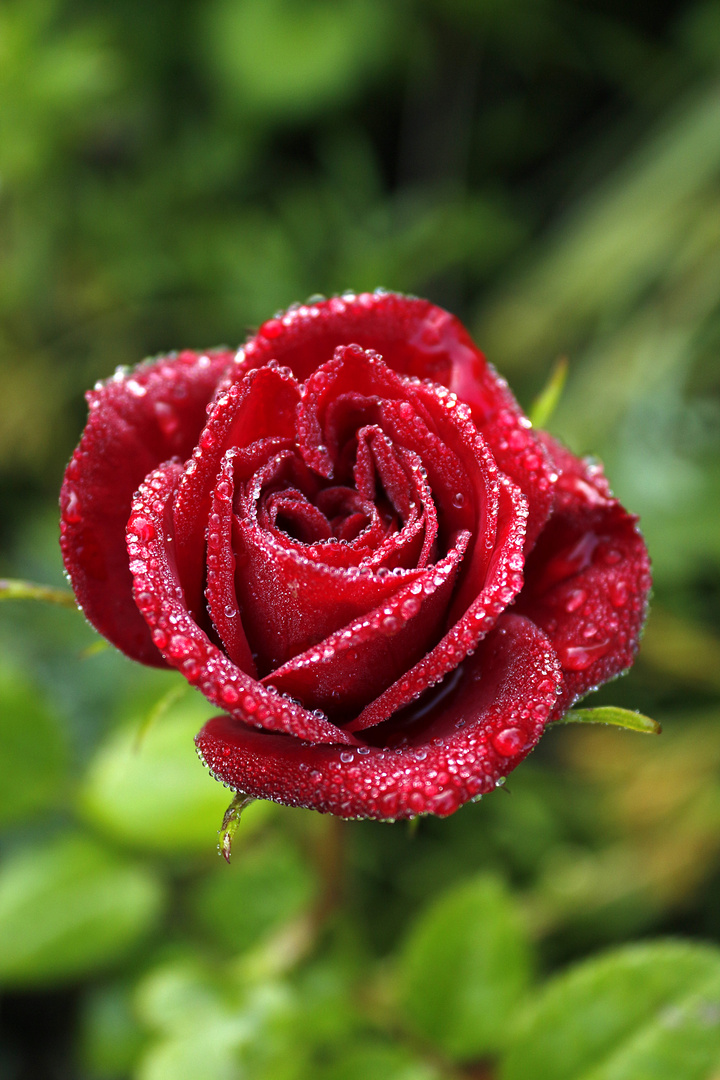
(290, 602)
(502, 584)
(500, 701)
(260, 410)
(159, 596)
(220, 588)
(355, 664)
(137, 419)
(588, 579)
(415, 337)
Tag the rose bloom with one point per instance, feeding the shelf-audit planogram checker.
(348, 536)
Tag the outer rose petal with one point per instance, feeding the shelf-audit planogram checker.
(587, 580)
(137, 420)
(500, 701)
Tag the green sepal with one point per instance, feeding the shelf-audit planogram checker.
(610, 714)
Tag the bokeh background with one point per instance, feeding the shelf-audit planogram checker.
(171, 173)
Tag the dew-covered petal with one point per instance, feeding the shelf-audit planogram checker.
(291, 602)
(159, 595)
(415, 338)
(355, 664)
(503, 582)
(138, 419)
(257, 413)
(220, 592)
(588, 579)
(457, 747)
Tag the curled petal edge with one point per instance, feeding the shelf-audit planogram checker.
(501, 700)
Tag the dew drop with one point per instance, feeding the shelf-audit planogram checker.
(580, 657)
(409, 608)
(142, 528)
(72, 507)
(458, 500)
(229, 694)
(618, 591)
(575, 600)
(509, 742)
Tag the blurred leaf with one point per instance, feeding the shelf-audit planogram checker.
(68, 908)
(204, 1023)
(178, 994)
(110, 1036)
(72, 72)
(155, 794)
(610, 714)
(204, 1054)
(546, 402)
(380, 1061)
(33, 757)
(464, 968)
(263, 889)
(646, 1011)
(290, 57)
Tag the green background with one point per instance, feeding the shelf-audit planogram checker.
(171, 173)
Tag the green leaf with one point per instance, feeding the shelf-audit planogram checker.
(465, 966)
(610, 714)
(546, 402)
(647, 1012)
(33, 754)
(69, 908)
(146, 786)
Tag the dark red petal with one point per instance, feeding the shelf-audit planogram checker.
(137, 419)
(588, 579)
(471, 738)
(220, 587)
(159, 596)
(291, 603)
(415, 337)
(502, 584)
(260, 410)
(355, 664)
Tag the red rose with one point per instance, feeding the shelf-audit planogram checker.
(349, 538)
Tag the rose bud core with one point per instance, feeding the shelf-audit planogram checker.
(349, 537)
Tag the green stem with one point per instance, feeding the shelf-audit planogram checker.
(14, 589)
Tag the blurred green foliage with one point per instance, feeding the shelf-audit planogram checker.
(170, 174)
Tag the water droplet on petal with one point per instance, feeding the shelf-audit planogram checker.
(580, 657)
(142, 528)
(510, 741)
(575, 600)
(72, 507)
